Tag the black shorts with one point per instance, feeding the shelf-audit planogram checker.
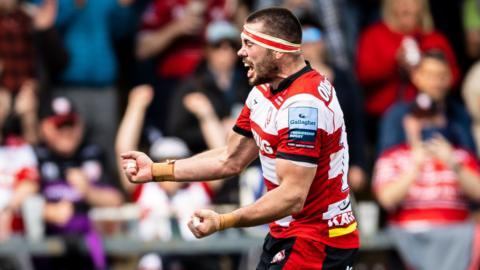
(301, 253)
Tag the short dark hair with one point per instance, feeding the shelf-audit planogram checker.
(278, 22)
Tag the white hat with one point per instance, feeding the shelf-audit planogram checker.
(168, 147)
(221, 30)
(150, 261)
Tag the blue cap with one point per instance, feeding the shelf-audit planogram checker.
(221, 30)
(311, 34)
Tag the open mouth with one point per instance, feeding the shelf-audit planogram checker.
(250, 70)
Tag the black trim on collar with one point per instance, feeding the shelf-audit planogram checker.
(290, 79)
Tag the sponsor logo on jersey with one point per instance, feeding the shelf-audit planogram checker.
(264, 145)
(302, 126)
(340, 218)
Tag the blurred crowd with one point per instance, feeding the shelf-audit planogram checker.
(82, 81)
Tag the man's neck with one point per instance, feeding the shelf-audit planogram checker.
(287, 70)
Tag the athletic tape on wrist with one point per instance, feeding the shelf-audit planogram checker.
(269, 42)
(163, 171)
(227, 221)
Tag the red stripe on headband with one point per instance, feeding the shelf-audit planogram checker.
(271, 42)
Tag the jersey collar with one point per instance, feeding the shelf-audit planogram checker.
(290, 79)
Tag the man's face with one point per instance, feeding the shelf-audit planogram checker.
(63, 139)
(433, 77)
(261, 63)
(407, 13)
(222, 55)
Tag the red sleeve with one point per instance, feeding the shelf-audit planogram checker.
(438, 41)
(242, 126)
(385, 170)
(155, 16)
(376, 55)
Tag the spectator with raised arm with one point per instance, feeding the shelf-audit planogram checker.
(432, 76)
(388, 50)
(426, 185)
(159, 202)
(88, 30)
(173, 32)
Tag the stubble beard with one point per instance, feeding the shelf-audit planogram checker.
(265, 72)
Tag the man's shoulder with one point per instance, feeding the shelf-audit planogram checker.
(311, 84)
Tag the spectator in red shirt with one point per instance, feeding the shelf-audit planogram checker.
(389, 49)
(426, 185)
(172, 33)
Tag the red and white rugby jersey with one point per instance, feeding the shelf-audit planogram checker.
(17, 164)
(302, 121)
(434, 198)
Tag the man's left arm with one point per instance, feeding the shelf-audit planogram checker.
(287, 199)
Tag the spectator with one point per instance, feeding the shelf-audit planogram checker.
(348, 94)
(221, 82)
(158, 201)
(219, 78)
(88, 29)
(18, 173)
(25, 31)
(426, 186)
(72, 181)
(389, 49)
(432, 77)
(17, 62)
(173, 32)
(471, 96)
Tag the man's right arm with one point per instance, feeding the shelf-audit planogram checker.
(218, 163)
(210, 165)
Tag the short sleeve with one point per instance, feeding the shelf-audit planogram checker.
(242, 125)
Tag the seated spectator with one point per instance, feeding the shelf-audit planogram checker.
(432, 77)
(471, 96)
(426, 185)
(72, 180)
(160, 201)
(390, 49)
(350, 99)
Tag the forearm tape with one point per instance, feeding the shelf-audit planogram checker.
(227, 221)
(163, 171)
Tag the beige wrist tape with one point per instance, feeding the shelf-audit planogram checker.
(163, 171)
(227, 221)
